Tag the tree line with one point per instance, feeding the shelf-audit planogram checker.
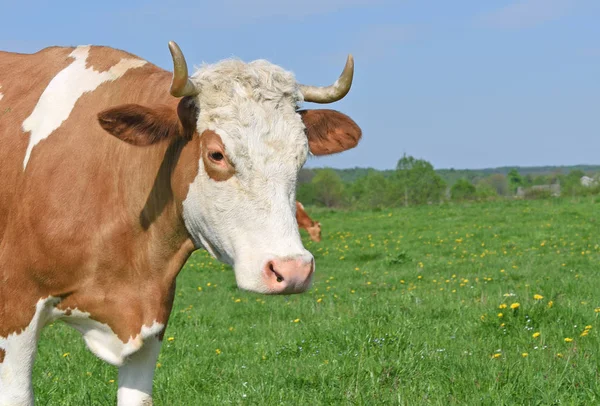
(416, 182)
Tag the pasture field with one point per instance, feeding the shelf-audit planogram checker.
(481, 304)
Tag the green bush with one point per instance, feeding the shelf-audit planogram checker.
(462, 190)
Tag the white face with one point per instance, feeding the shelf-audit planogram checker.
(248, 219)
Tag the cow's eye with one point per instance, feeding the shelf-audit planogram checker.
(216, 156)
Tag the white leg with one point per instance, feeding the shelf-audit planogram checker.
(137, 373)
(18, 350)
(15, 371)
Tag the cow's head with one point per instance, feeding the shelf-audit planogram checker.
(314, 231)
(253, 141)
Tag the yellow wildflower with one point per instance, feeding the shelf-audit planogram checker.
(500, 315)
(296, 320)
(568, 339)
(538, 297)
(496, 355)
(502, 306)
(559, 355)
(111, 381)
(218, 351)
(588, 327)
(170, 338)
(515, 306)
(550, 303)
(524, 355)
(536, 334)
(66, 354)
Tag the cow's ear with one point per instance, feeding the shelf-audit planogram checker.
(141, 125)
(329, 131)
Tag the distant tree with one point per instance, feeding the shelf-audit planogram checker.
(571, 183)
(498, 182)
(485, 191)
(541, 180)
(371, 191)
(416, 182)
(306, 193)
(528, 180)
(462, 190)
(328, 188)
(305, 175)
(514, 180)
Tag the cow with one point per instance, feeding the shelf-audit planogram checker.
(113, 171)
(304, 221)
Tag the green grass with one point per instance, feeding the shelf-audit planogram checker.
(404, 310)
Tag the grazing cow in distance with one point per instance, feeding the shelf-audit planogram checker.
(109, 181)
(304, 221)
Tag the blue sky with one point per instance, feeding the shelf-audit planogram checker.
(462, 84)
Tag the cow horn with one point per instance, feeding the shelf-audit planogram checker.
(181, 85)
(332, 93)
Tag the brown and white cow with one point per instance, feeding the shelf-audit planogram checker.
(304, 221)
(109, 181)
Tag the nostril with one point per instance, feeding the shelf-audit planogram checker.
(277, 275)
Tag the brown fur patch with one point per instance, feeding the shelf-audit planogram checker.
(23, 78)
(304, 221)
(2, 355)
(330, 131)
(101, 59)
(219, 170)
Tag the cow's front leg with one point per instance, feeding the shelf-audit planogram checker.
(17, 355)
(18, 350)
(137, 373)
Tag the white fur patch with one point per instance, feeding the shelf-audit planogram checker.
(136, 375)
(59, 98)
(1, 95)
(20, 348)
(103, 342)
